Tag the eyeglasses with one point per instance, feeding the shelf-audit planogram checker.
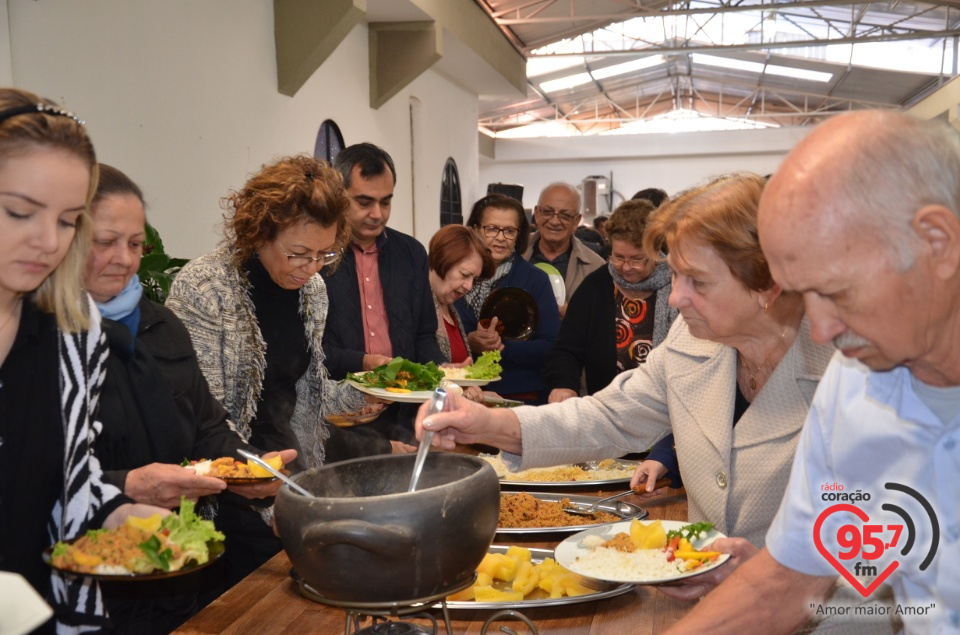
(300, 260)
(629, 263)
(491, 231)
(562, 216)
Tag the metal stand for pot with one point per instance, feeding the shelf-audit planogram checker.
(379, 611)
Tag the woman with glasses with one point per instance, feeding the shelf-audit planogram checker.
(617, 315)
(503, 226)
(255, 309)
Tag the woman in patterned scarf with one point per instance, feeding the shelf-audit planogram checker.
(618, 314)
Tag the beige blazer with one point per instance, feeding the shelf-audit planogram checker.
(734, 476)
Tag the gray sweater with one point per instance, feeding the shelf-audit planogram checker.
(210, 295)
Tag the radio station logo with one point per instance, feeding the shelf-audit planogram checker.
(861, 542)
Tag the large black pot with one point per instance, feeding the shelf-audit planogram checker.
(366, 539)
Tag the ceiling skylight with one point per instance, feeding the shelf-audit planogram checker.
(756, 67)
(684, 120)
(579, 79)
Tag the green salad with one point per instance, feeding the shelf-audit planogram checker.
(400, 375)
(487, 366)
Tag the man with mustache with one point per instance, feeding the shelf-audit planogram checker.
(381, 305)
(863, 219)
(558, 214)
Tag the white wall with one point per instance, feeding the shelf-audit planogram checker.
(672, 162)
(182, 96)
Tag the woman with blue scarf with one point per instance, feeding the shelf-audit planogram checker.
(156, 407)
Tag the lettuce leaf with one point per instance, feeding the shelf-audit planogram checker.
(487, 366)
(401, 373)
(191, 532)
(160, 559)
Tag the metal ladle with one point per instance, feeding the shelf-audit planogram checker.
(436, 405)
(280, 475)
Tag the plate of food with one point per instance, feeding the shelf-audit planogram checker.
(484, 370)
(516, 312)
(398, 395)
(597, 473)
(534, 513)
(235, 472)
(366, 414)
(635, 552)
(399, 380)
(142, 548)
(512, 577)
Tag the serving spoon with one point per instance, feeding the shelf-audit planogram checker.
(436, 405)
(280, 475)
(591, 510)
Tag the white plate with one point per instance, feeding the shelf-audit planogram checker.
(606, 590)
(417, 396)
(569, 550)
(471, 382)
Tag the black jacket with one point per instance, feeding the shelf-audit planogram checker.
(156, 405)
(406, 295)
(587, 340)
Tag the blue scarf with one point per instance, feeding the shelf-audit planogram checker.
(125, 306)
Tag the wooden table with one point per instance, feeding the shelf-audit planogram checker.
(268, 601)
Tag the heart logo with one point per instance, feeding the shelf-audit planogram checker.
(862, 515)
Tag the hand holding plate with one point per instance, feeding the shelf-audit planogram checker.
(486, 337)
(163, 484)
(269, 487)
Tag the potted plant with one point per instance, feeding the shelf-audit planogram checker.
(157, 268)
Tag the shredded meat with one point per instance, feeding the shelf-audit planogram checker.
(524, 511)
(620, 542)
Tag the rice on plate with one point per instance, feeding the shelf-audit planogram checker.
(581, 554)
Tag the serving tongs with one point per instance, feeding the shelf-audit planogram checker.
(280, 475)
(591, 510)
(436, 405)
(497, 400)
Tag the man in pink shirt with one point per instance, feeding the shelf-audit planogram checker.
(381, 305)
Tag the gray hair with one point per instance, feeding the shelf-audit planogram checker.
(899, 166)
(566, 186)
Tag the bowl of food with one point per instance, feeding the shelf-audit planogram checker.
(362, 537)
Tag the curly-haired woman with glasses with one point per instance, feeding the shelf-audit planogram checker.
(503, 226)
(256, 309)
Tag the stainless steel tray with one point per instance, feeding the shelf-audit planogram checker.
(622, 509)
(605, 590)
(588, 467)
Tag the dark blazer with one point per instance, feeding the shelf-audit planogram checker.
(587, 340)
(156, 405)
(406, 296)
(523, 361)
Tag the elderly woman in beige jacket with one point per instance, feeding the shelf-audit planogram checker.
(733, 382)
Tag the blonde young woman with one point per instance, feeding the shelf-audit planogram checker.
(52, 356)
